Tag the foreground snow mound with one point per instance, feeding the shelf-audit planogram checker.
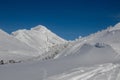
(92, 54)
(87, 53)
(39, 38)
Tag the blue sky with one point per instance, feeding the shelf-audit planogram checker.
(67, 18)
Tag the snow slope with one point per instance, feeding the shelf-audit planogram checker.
(39, 38)
(60, 70)
(110, 36)
(29, 44)
(99, 63)
(95, 57)
(11, 48)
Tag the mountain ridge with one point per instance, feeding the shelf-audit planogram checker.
(27, 43)
(39, 38)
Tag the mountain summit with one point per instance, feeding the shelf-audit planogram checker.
(39, 38)
(39, 27)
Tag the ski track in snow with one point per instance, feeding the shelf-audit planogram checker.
(101, 72)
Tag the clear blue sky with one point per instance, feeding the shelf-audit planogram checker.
(67, 18)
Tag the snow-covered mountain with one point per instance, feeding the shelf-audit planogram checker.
(95, 57)
(28, 44)
(39, 38)
(11, 48)
(101, 48)
(109, 36)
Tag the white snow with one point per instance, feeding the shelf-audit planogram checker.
(95, 57)
(28, 44)
(109, 36)
(39, 38)
(11, 48)
(104, 72)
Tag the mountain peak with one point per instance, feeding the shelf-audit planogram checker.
(39, 27)
(39, 38)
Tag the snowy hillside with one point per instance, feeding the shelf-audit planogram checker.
(28, 44)
(39, 38)
(13, 49)
(95, 57)
(9, 43)
(110, 36)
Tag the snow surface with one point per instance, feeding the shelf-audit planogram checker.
(95, 57)
(109, 36)
(99, 72)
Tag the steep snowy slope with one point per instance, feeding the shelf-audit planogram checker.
(99, 72)
(39, 38)
(110, 36)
